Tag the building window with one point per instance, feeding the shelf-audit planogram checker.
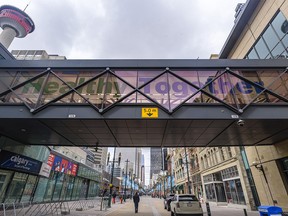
(222, 153)
(273, 42)
(229, 152)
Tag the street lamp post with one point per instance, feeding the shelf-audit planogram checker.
(112, 175)
(127, 161)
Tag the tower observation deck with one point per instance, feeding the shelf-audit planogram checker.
(15, 23)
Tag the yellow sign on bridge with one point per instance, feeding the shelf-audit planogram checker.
(149, 112)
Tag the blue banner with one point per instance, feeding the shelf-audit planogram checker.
(14, 161)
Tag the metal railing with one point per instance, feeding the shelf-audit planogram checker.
(51, 208)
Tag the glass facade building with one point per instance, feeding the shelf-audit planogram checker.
(273, 42)
(35, 174)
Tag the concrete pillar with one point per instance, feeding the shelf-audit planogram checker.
(7, 36)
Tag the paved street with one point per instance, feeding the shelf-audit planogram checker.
(154, 207)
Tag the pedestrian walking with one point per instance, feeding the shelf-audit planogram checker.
(136, 200)
(114, 198)
(121, 198)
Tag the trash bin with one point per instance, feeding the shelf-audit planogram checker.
(270, 211)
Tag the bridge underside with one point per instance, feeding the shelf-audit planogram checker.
(199, 126)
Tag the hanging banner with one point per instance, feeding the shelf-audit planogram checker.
(14, 161)
(62, 165)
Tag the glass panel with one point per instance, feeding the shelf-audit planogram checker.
(129, 76)
(252, 54)
(115, 90)
(50, 186)
(40, 190)
(53, 89)
(64, 187)
(30, 92)
(244, 92)
(158, 91)
(142, 99)
(29, 188)
(206, 77)
(6, 79)
(83, 188)
(16, 187)
(59, 177)
(23, 76)
(276, 52)
(76, 189)
(261, 49)
(11, 98)
(131, 99)
(146, 76)
(210, 192)
(277, 85)
(222, 89)
(179, 91)
(285, 42)
(220, 192)
(5, 177)
(191, 76)
(195, 99)
(69, 189)
(240, 192)
(270, 38)
(277, 24)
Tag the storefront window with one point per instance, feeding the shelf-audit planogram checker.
(76, 189)
(210, 192)
(40, 191)
(16, 187)
(58, 186)
(234, 192)
(50, 186)
(220, 192)
(5, 177)
(29, 188)
(69, 188)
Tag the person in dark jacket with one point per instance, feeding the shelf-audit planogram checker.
(136, 200)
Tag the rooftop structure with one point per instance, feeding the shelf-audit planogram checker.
(15, 23)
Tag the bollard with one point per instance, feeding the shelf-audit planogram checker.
(245, 212)
(208, 209)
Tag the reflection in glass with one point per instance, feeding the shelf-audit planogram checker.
(16, 187)
(261, 49)
(270, 38)
(158, 90)
(277, 24)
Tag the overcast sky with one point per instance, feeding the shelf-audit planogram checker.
(128, 29)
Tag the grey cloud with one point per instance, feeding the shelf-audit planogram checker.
(129, 28)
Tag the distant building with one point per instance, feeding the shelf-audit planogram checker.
(155, 161)
(35, 55)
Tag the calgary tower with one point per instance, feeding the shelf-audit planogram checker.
(15, 23)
